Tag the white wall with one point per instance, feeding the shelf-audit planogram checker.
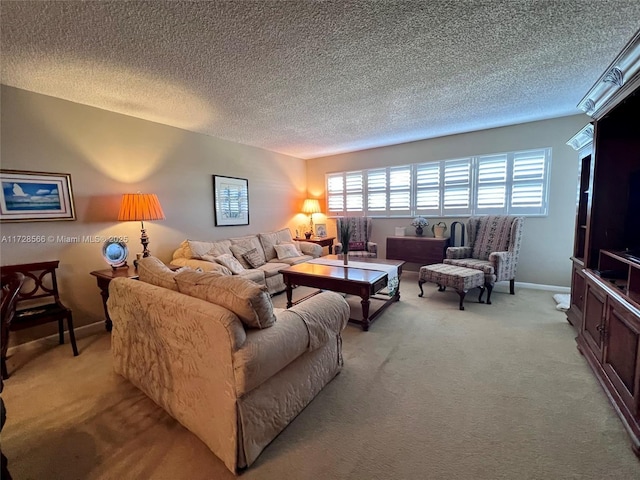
(548, 241)
(108, 154)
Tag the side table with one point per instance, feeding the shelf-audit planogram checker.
(104, 277)
(322, 241)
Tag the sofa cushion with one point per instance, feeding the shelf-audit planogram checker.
(203, 265)
(152, 270)
(272, 269)
(270, 239)
(200, 249)
(248, 300)
(286, 250)
(227, 260)
(241, 245)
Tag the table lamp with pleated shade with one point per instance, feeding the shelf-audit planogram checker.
(141, 207)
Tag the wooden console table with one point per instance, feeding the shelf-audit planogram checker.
(104, 278)
(322, 241)
(421, 250)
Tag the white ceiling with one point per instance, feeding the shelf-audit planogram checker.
(309, 78)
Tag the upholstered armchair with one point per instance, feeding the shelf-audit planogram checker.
(359, 246)
(493, 247)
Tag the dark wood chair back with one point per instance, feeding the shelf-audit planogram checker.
(11, 284)
(38, 301)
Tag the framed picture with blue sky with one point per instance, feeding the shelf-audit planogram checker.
(35, 196)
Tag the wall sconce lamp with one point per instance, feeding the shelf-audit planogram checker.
(141, 207)
(311, 206)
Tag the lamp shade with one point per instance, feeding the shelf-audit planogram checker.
(311, 205)
(140, 207)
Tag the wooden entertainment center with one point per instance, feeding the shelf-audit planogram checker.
(605, 287)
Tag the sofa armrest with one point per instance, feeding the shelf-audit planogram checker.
(459, 252)
(309, 248)
(295, 332)
(372, 247)
(178, 350)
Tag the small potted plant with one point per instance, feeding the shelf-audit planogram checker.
(419, 223)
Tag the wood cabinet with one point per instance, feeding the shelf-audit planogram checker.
(583, 143)
(421, 250)
(605, 286)
(610, 341)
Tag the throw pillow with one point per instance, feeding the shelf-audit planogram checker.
(270, 239)
(230, 262)
(152, 270)
(286, 250)
(254, 258)
(356, 246)
(295, 244)
(248, 300)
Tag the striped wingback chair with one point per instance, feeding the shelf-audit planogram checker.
(359, 246)
(493, 247)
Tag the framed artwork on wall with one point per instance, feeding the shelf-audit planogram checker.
(231, 200)
(321, 230)
(35, 196)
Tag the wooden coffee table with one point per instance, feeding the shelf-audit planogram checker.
(352, 281)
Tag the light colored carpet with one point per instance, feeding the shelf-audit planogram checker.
(495, 392)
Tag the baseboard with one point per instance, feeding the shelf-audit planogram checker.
(80, 332)
(504, 287)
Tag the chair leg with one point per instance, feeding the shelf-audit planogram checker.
(462, 294)
(489, 287)
(420, 282)
(3, 367)
(61, 331)
(512, 286)
(72, 335)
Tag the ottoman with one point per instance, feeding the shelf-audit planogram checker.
(462, 279)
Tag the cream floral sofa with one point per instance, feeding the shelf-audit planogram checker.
(257, 257)
(211, 350)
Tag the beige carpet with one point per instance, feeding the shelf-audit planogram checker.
(430, 392)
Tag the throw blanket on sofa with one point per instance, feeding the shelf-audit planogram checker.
(390, 270)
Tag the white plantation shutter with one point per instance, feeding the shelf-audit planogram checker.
(427, 181)
(514, 183)
(457, 187)
(354, 197)
(335, 194)
(377, 193)
(529, 182)
(400, 191)
(491, 184)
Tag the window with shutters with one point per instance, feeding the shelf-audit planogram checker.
(513, 183)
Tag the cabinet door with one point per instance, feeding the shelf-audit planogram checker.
(620, 356)
(593, 319)
(578, 285)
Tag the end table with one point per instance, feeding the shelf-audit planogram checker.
(322, 241)
(104, 277)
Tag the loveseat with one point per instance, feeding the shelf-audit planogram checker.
(257, 257)
(211, 350)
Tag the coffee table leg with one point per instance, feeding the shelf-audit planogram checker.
(365, 313)
(289, 294)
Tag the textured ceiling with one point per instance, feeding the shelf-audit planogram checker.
(310, 78)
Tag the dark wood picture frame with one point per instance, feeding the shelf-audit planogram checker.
(230, 201)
